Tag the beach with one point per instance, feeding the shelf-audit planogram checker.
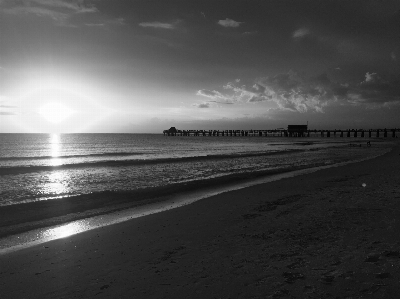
(327, 234)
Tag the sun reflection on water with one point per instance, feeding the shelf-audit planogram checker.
(55, 147)
(57, 183)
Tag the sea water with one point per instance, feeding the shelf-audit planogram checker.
(36, 167)
(56, 185)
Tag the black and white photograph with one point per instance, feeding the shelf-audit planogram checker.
(200, 149)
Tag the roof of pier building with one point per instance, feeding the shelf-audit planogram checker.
(297, 128)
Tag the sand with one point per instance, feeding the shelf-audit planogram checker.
(319, 235)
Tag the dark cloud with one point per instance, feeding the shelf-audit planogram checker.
(322, 79)
(377, 92)
(6, 113)
(340, 90)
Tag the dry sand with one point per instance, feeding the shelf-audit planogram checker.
(320, 235)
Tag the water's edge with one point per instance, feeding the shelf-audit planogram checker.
(31, 234)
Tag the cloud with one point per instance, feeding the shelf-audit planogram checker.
(371, 78)
(202, 105)
(7, 106)
(296, 93)
(299, 33)
(77, 6)
(355, 99)
(292, 92)
(64, 7)
(224, 103)
(95, 24)
(58, 10)
(377, 92)
(393, 56)
(157, 25)
(60, 17)
(214, 95)
(212, 103)
(229, 23)
(117, 21)
(391, 104)
(244, 94)
(250, 33)
(6, 113)
(288, 91)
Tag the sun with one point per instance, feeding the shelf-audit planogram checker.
(55, 112)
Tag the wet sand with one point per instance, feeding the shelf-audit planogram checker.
(319, 235)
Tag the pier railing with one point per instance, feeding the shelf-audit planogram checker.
(287, 133)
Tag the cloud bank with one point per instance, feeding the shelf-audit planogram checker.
(293, 92)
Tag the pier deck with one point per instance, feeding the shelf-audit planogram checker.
(286, 133)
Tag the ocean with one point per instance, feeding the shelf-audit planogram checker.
(52, 176)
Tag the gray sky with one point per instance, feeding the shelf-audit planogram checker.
(144, 66)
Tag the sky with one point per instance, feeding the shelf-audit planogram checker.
(142, 66)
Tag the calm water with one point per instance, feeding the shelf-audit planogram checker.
(36, 167)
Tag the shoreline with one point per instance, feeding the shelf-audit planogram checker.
(23, 235)
(318, 235)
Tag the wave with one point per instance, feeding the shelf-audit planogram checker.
(43, 213)
(112, 154)
(131, 162)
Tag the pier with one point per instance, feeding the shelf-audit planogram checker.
(291, 131)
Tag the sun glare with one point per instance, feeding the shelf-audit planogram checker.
(58, 103)
(64, 230)
(55, 112)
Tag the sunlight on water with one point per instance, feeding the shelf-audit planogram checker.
(55, 147)
(57, 183)
(64, 230)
